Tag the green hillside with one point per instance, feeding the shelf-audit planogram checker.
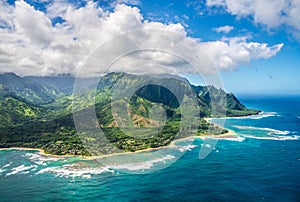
(14, 111)
(13, 85)
(42, 118)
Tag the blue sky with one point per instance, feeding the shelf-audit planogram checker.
(266, 32)
(278, 74)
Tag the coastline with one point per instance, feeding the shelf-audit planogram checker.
(41, 151)
(230, 134)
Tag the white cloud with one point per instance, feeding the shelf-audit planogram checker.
(114, 3)
(230, 52)
(31, 45)
(225, 29)
(5, 14)
(271, 13)
(128, 2)
(34, 24)
(57, 8)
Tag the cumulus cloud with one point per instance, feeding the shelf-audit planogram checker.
(225, 29)
(57, 8)
(31, 45)
(271, 13)
(34, 24)
(127, 2)
(5, 15)
(230, 52)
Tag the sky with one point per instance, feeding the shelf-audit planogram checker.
(254, 45)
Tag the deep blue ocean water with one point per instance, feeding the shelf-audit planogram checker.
(263, 164)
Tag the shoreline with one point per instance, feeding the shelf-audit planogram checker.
(230, 134)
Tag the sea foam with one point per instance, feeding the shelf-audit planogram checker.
(21, 169)
(72, 170)
(279, 138)
(142, 165)
(39, 159)
(76, 170)
(269, 130)
(186, 148)
(4, 168)
(261, 115)
(235, 139)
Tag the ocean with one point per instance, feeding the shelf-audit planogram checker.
(262, 164)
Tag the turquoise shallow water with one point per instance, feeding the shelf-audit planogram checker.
(262, 165)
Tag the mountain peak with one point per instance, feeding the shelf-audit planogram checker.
(9, 74)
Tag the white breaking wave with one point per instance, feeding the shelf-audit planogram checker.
(261, 115)
(269, 130)
(206, 145)
(280, 138)
(187, 148)
(143, 165)
(22, 169)
(76, 170)
(72, 170)
(3, 169)
(236, 139)
(5, 166)
(39, 159)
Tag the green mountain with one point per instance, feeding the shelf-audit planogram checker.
(37, 112)
(225, 101)
(62, 83)
(11, 84)
(208, 97)
(17, 112)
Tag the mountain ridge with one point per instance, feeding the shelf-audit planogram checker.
(49, 122)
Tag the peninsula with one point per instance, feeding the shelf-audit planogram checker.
(36, 112)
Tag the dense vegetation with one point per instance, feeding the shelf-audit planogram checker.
(37, 112)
